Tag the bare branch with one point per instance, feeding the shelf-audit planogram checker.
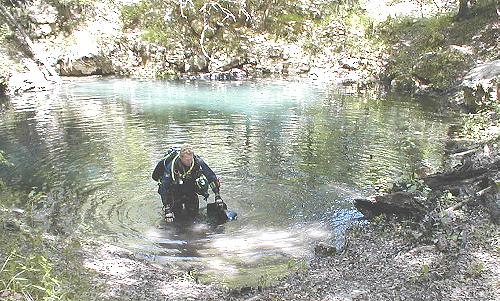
(205, 9)
(222, 7)
(183, 4)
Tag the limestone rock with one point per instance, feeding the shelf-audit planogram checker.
(482, 84)
(42, 12)
(275, 52)
(96, 65)
(196, 63)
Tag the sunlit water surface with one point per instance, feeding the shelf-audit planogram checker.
(291, 157)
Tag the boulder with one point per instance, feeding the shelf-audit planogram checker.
(275, 52)
(41, 12)
(94, 65)
(196, 63)
(324, 250)
(225, 63)
(350, 63)
(41, 30)
(43, 17)
(482, 85)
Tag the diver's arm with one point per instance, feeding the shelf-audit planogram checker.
(213, 181)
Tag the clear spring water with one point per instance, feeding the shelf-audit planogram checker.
(291, 157)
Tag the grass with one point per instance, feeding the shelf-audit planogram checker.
(34, 265)
(32, 276)
(41, 269)
(423, 49)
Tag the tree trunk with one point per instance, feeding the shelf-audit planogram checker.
(463, 10)
(50, 74)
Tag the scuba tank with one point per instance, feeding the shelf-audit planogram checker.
(170, 154)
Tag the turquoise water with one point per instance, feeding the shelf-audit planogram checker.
(291, 156)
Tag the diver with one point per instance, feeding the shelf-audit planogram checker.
(181, 177)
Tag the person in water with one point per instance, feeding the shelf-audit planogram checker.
(181, 176)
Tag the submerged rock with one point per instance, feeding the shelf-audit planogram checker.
(233, 74)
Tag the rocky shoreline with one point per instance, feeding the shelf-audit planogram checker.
(99, 43)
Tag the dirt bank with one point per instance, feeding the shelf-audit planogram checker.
(381, 261)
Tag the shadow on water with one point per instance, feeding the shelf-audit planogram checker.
(291, 157)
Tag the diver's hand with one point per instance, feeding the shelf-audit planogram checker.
(219, 201)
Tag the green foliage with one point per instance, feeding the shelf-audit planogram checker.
(290, 17)
(42, 270)
(418, 185)
(70, 2)
(475, 124)
(3, 160)
(442, 68)
(5, 32)
(413, 38)
(379, 220)
(136, 14)
(425, 270)
(413, 185)
(296, 265)
(33, 266)
(32, 275)
(160, 22)
(475, 270)
(447, 199)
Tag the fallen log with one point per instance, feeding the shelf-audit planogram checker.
(468, 183)
(399, 203)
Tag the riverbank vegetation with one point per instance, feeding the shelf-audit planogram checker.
(432, 54)
(36, 264)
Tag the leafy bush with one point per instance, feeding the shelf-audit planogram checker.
(442, 68)
(476, 124)
(412, 38)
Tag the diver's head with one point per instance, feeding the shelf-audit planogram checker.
(186, 155)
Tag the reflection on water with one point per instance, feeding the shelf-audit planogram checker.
(291, 157)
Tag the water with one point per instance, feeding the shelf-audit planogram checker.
(291, 157)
